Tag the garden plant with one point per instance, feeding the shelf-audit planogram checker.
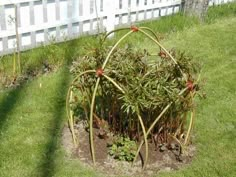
(134, 95)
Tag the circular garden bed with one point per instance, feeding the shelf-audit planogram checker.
(131, 111)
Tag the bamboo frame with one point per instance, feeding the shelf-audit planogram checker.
(92, 105)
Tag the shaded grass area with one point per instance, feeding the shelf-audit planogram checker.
(48, 164)
(31, 124)
(31, 118)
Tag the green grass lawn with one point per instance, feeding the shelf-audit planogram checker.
(32, 117)
(215, 47)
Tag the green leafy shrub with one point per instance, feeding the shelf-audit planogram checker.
(138, 94)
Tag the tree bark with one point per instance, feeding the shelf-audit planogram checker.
(196, 8)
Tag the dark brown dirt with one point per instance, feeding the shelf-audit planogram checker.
(167, 160)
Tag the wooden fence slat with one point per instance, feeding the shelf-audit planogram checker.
(33, 39)
(5, 44)
(57, 34)
(25, 39)
(91, 5)
(57, 3)
(133, 4)
(64, 13)
(141, 3)
(149, 2)
(68, 32)
(69, 9)
(9, 17)
(80, 7)
(156, 12)
(51, 11)
(45, 35)
(31, 9)
(45, 16)
(39, 16)
(2, 18)
(110, 8)
(86, 7)
(1, 47)
(75, 8)
(125, 4)
(23, 14)
(40, 36)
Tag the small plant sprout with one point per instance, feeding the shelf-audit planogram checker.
(14, 20)
(123, 148)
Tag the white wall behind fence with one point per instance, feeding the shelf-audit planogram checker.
(40, 21)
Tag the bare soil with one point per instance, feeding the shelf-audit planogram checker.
(164, 158)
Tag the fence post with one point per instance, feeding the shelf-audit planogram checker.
(2, 18)
(69, 16)
(110, 8)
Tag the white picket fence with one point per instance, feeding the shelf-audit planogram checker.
(40, 21)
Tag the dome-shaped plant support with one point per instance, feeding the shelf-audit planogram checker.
(100, 72)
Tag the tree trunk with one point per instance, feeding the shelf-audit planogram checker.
(196, 8)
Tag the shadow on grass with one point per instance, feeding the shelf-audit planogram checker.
(48, 165)
(7, 104)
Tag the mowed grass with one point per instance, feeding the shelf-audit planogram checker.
(32, 117)
(215, 125)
